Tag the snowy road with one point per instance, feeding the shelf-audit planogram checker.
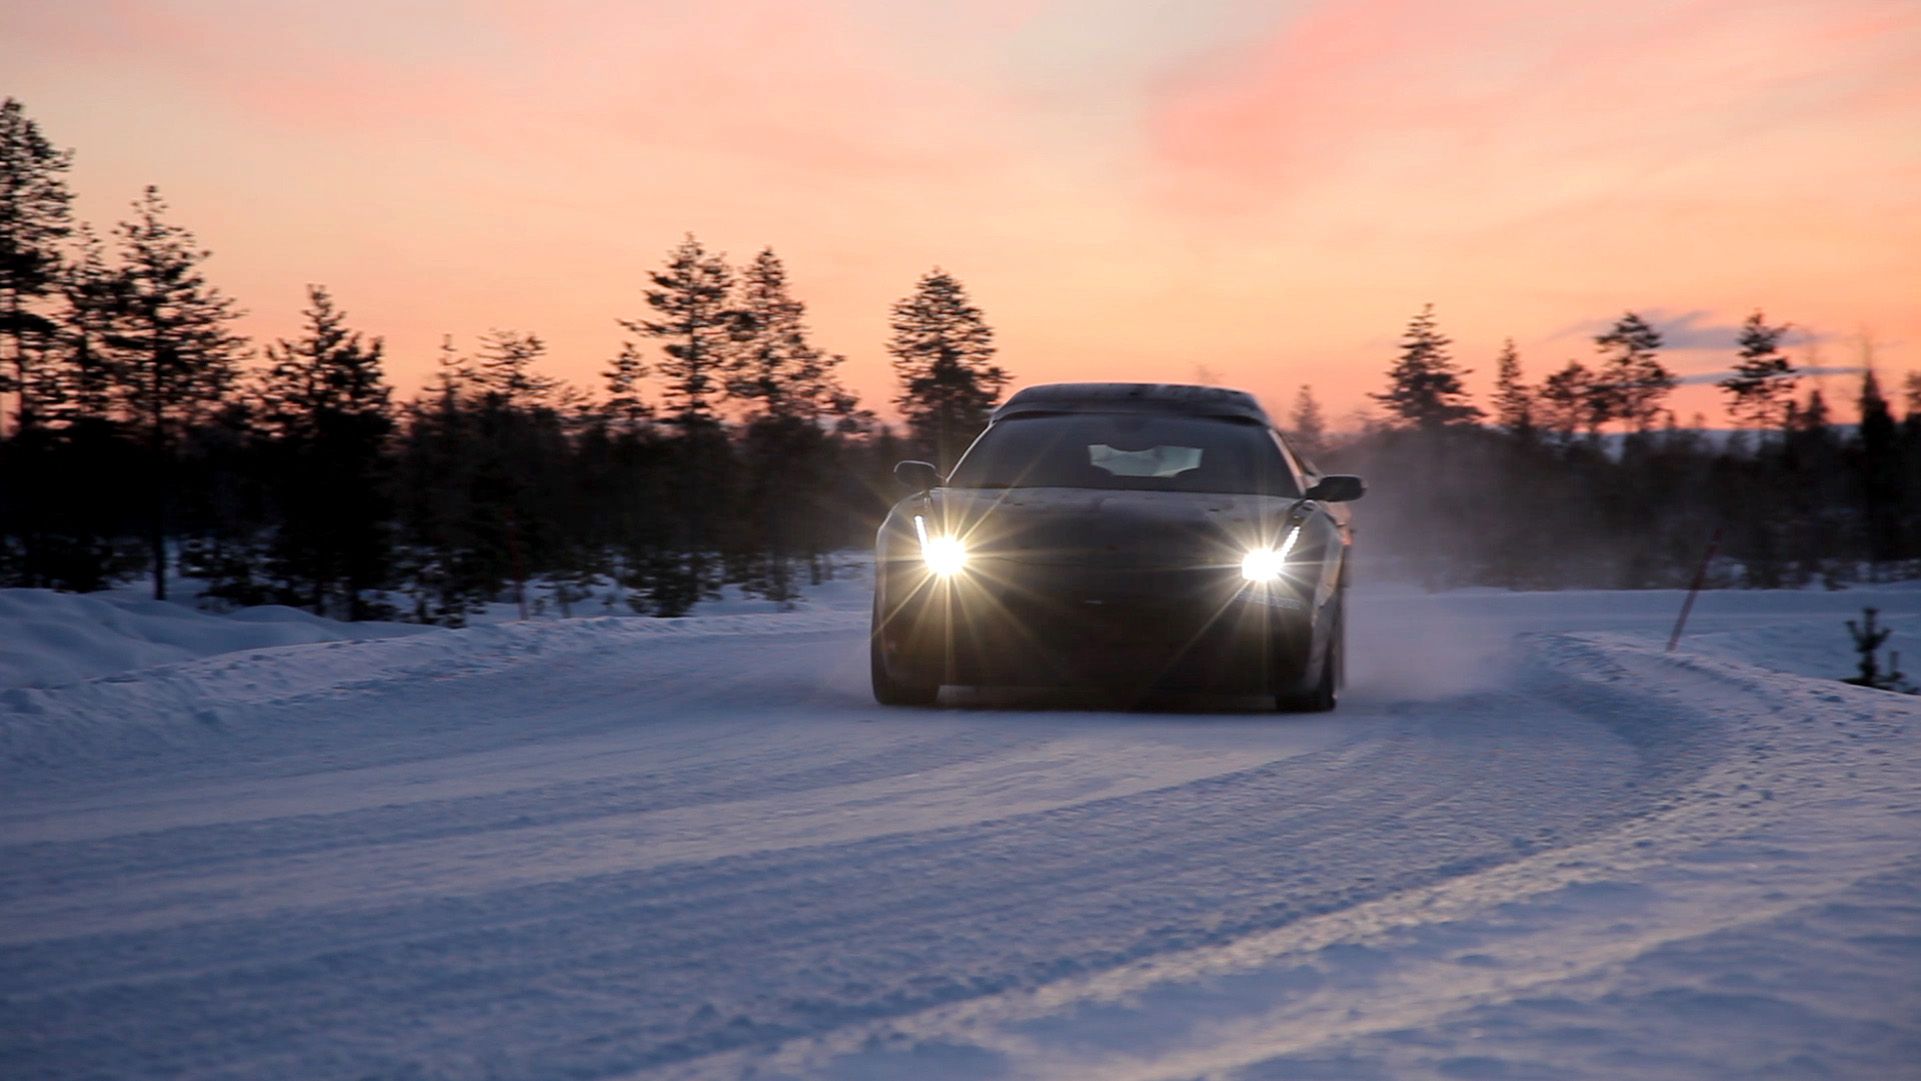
(1529, 845)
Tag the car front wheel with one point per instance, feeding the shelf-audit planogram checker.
(889, 691)
(1325, 693)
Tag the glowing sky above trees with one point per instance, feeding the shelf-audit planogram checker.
(1130, 190)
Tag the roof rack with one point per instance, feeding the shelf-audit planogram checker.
(1180, 398)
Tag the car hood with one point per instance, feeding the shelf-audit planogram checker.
(1107, 526)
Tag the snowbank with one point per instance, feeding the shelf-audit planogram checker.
(48, 639)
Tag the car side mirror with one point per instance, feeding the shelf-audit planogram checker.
(1338, 488)
(920, 476)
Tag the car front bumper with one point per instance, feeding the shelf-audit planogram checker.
(1057, 624)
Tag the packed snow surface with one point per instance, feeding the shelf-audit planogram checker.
(1531, 844)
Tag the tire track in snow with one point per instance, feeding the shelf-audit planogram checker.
(1367, 990)
(993, 929)
(750, 949)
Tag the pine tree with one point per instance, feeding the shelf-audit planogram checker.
(329, 370)
(1306, 428)
(1813, 417)
(435, 470)
(1424, 386)
(325, 396)
(514, 522)
(503, 374)
(695, 320)
(1763, 380)
(1814, 489)
(1908, 467)
(624, 408)
(943, 356)
(452, 374)
(174, 352)
(774, 369)
(788, 387)
(85, 383)
(691, 299)
(1877, 462)
(1631, 380)
(35, 220)
(1513, 401)
(68, 435)
(1566, 400)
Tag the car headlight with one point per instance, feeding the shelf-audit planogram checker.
(944, 556)
(1266, 564)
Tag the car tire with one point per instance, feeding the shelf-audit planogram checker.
(1325, 694)
(889, 691)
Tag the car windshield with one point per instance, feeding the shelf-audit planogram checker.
(1129, 451)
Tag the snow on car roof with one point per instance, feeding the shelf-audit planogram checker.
(1134, 397)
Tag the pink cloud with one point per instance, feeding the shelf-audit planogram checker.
(1538, 89)
(805, 85)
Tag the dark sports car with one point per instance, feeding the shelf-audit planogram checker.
(1136, 536)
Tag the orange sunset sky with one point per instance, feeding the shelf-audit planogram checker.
(1130, 190)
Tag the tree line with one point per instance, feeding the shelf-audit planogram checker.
(148, 437)
(718, 446)
(1585, 478)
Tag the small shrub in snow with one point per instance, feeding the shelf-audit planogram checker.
(1867, 641)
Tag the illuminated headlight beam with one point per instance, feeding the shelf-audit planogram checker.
(944, 556)
(1266, 564)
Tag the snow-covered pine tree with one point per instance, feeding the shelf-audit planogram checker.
(943, 354)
